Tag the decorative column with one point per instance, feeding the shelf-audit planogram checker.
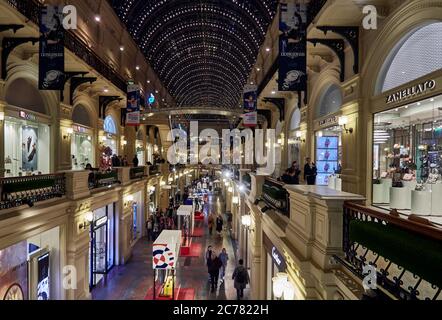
(63, 146)
(255, 248)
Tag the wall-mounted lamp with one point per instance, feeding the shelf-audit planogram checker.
(299, 137)
(343, 121)
(246, 221)
(2, 116)
(230, 189)
(128, 200)
(124, 142)
(151, 189)
(69, 132)
(235, 200)
(103, 139)
(87, 220)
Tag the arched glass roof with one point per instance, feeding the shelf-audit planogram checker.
(202, 50)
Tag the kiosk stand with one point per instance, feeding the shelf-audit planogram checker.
(165, 260)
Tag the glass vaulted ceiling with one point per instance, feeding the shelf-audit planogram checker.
(203, 51)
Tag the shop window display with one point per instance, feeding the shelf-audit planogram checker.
(27, 146)
(82, 151)
(407, 158)
(328, 155)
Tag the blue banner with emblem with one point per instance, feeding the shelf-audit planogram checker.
(250, 105)
(51, 51)
(293, 47)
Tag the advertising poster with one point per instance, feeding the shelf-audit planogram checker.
(14, 272)
(250, 105)
(326, 158)
(133, 105)
(250, 98)
(250, 119)
(293, 47)
(29, 148)
(51, 51)
(43, 277)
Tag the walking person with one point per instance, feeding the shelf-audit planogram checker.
(224, 257)
(211, 221)
(241, 279)
(214, 268)
(149, 227)
(219, 224)
(208, 257)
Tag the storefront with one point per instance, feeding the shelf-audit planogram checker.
(407, 127)
(136, 203)
(82, 144)
(27, 143)
(140, 148)
(30, 269)
(109, 140)
(275, 263)
(81, 147)
(103, 243)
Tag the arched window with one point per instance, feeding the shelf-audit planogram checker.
(23, 94)
(109, 125)
(295, 122)
(417, 54)
(81, 116)
(330, 102)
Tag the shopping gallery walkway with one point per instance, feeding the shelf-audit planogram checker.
(134, 281)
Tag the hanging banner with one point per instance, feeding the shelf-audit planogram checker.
(250, 117)
(51, 51)
(133, 105)
(293, 47)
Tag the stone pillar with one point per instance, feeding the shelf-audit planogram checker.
(130, 136)
(255, 248)
(63, 146)
(77, 251)
(124, 175)
(125, 226)
(77, 185)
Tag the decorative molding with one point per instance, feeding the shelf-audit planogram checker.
(76, 82)
(8, 45)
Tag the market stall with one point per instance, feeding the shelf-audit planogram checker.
(165, 259)
(185, 215)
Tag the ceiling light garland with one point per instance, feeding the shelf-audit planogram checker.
(202, 50)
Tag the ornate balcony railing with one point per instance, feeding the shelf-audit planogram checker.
(314, 7)
(276, 196)
(406, 253)
(99, 179)
(31, 10)
(137, 173)
(30, 189)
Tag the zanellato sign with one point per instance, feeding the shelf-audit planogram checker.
(411, 91)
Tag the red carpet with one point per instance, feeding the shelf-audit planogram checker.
(198, 232)
(196, 250)
(180, 294)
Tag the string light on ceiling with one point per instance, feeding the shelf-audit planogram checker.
(202, 50)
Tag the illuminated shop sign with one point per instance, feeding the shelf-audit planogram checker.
(79, 129)
(332, 121)
(151, 99)
(278, 260)
(27, 116)
(100, 222)
(411, 91)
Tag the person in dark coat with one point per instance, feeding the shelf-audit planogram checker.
(135, 161)
(214, 268)
(310, 172)
(219, 224)
(241, 279)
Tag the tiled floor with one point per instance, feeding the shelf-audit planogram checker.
(132, 281)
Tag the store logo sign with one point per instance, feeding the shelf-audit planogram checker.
(79, 129)
(27, 116)
(278, 259)
(100, 222)
(329, 121)
(411, 91)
